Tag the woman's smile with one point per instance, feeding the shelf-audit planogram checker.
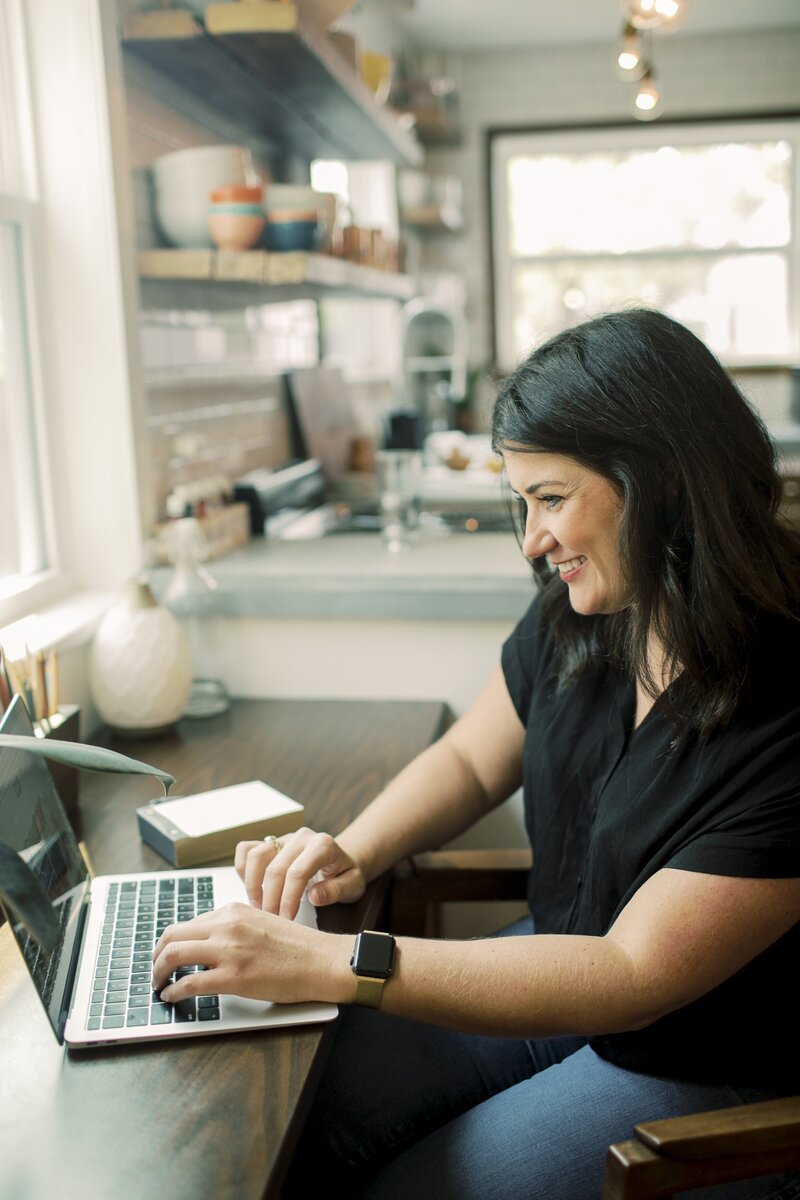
(569, 569)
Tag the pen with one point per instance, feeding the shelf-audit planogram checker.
(15, 678)
(41, 674)
(5, 690)
(32, 685)
(52, 667)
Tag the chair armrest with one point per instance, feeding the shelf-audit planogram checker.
(454, 875)
(743, 1129)
(466, 875)
(680, 1154)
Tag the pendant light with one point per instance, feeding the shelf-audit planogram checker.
(648, 97)
(664, 15)
(630, 59)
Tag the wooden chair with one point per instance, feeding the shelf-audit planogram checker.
(664, 1157)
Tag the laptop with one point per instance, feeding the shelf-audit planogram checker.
(88, 943)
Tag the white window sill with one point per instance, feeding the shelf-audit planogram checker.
(64, 625)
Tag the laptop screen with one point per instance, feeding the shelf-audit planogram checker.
(35, 827)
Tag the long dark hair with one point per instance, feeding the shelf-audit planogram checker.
(638, 398)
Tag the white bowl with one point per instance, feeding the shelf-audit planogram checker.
(194, 161)
(184, 180)
(184, 224)
(191, 175)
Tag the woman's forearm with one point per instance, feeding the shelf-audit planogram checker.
(506, 987)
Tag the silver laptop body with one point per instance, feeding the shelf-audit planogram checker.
(87, 944)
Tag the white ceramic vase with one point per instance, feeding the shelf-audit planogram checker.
(140, 670)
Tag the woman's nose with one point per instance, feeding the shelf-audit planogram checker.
(538, 539)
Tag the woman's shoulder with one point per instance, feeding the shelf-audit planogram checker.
(775, 646)
(772, 681)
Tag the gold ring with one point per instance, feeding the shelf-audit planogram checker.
(276, 845)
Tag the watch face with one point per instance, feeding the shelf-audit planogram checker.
(374, 954)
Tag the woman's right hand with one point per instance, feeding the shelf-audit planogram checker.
(275, 879)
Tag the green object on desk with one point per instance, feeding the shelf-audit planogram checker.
(85, 758)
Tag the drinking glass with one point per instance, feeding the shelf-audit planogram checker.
(399, 474)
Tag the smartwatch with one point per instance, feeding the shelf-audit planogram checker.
(372, 963)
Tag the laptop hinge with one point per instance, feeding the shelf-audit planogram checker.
(84, 905)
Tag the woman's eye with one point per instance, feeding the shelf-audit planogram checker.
(551, 501)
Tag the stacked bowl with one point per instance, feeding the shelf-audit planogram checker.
(183, 181)
(236, 216)
(292, 229)
(292, 217)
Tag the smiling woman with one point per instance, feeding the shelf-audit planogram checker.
(636, 402)
(647, 704)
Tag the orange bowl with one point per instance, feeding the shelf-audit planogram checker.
(278, 216)
(235, 231)
(237, 193)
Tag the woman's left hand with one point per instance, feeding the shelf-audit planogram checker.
(250, 953)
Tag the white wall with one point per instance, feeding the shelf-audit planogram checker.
(353, 659)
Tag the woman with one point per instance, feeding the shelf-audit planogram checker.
(647, 704)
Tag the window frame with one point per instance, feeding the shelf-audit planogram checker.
(20, 209)
(502, 143)
(83, 253)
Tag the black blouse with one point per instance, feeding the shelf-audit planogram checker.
(606, 807)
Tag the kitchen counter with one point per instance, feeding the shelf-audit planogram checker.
(467, 576)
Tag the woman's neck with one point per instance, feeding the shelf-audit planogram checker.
(660, 673)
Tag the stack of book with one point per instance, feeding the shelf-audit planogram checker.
(205, 828)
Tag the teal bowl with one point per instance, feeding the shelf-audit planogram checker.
(290, 235)
(248, 210)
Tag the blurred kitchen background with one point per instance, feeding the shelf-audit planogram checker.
(485, 175)
(268, 240)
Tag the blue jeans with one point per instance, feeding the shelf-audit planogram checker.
(407, 1111)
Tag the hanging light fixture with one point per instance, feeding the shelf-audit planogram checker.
(664, 15)
(630, 59)
(648, 97)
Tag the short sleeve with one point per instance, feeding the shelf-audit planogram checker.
(521, 660)
(759, 844)
(757, 832)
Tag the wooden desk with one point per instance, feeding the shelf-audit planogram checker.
(210, 1117)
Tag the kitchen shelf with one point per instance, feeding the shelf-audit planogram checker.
(273, 272)
(273, 74)
(433, 218)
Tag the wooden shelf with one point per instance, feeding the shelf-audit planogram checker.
(277, 274)
(273, 74)
(433, 218)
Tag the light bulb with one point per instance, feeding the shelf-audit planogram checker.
(647, 98)
(629, 60)
(664, 15)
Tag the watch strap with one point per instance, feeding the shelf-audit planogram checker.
(369, 991)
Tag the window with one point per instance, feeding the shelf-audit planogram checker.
(26, 551)
(693, 219)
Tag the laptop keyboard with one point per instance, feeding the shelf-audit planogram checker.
(137, 913)
(43, 966)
